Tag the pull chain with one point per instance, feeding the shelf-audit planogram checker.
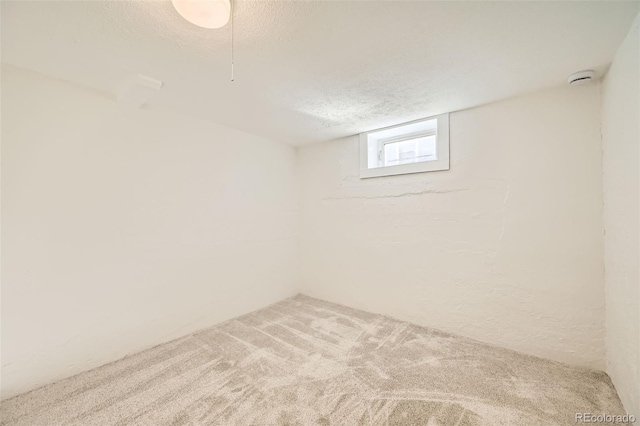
(231, 6)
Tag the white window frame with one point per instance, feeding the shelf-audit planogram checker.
(442, 150)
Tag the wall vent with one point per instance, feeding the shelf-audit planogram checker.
(581, 77)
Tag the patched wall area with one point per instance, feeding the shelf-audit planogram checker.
(506, 247)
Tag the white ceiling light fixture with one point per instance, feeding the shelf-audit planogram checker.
(209, 14)
(204, 13)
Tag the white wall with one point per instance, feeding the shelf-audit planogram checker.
(506, 247)
(125, 228)
(620, 139)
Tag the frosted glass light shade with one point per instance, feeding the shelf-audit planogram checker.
(204, 13)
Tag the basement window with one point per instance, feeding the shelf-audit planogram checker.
(418, 146)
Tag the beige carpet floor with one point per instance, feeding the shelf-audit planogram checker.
(308, 362)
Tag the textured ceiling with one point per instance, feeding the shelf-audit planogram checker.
(307, 71)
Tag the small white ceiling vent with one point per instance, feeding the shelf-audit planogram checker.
(581, 77)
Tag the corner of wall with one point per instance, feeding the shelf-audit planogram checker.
(620, 132)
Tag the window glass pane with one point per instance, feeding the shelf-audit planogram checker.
(410, 151)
